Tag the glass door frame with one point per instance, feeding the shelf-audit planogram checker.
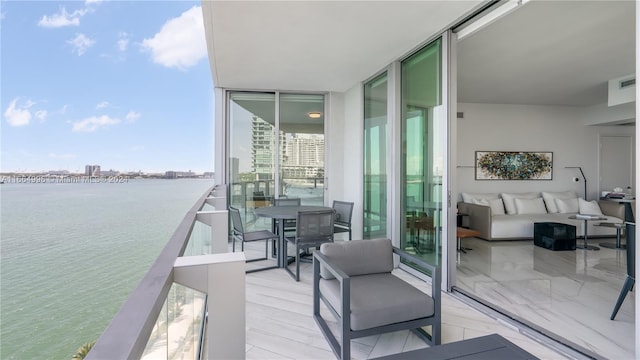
(448, 221)
(222, 147)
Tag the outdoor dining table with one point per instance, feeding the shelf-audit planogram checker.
(281, 213)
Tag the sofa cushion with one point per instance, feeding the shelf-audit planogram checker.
(589, 207)
(509, 200)
(530, 206)
(379, 299)
(469, 197)
(359, 257)
(496, 205)
(567, 206)
(550, 199)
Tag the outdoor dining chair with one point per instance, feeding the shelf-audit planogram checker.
(238, 233)
(344, 211)
(313, 229)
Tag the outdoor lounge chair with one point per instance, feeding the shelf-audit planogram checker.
(354, 277)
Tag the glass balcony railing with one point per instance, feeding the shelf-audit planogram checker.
(164, 319)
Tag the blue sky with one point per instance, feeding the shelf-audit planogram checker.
(121, 84)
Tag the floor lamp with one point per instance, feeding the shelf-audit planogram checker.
(584, 178)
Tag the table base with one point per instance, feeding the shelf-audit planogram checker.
(587, 247)
(610, 245)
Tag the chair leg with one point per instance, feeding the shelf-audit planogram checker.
(297, 263)
(628, 285)
(349, 234)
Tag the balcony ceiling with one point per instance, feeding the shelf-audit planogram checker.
(544, 53)
(317, 45)
(549, 53)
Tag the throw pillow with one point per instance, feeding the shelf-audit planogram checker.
(550, 199)
(509, 200)
(589, 207)
(567, 206)
(496, 205)
(530, 206)
(469, 197)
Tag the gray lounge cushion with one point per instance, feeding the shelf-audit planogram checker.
(379, 299)
(359, 257)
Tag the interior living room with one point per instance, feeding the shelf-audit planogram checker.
(547, 78)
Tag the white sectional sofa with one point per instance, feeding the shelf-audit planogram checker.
(510, 216)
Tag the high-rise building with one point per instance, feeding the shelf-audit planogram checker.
(92, 170)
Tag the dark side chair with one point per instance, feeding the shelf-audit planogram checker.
(313, 228)
(344, 211)
(630, 232)
(238, 233)
(354, 280)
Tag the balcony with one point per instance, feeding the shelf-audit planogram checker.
(270, 317)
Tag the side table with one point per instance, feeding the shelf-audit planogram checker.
(462, 233)
(618, 244)
(585, 220)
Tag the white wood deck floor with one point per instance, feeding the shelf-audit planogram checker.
(280, 324)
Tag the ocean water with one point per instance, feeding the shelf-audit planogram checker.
(70, 254)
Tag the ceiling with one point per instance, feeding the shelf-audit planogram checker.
(549, 53)
(317, 45)
(545, 52)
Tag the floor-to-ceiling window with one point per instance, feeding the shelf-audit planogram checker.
(375, 158)
(302, 147)
(276, 148)
(252, 148)
(422, 132)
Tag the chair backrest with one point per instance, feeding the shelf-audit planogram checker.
(315, 226)
(287, 202)
(359, 257)
(630, 233)
(344, 211)
(236, 220)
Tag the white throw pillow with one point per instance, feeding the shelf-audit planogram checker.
(589, 207)
(496, 205)
(567, 206)
(550, 199)
(530, 206)
(509, 200)
(469, 197)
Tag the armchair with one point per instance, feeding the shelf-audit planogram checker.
(354, 278)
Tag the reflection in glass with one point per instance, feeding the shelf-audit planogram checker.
(375, 158)
(302, 147)
(423, 142)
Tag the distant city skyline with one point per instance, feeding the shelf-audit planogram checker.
(126, 85)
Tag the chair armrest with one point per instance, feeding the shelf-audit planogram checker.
(479, 218)
(435, 272)
(333, 269)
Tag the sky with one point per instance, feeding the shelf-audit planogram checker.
(121, 84)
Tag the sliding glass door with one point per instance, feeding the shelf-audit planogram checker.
(375, 158)
(422, 153)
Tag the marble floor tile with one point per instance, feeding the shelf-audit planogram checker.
(570, 294)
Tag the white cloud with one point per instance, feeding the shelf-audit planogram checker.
(89, 2)
(94, 123)
(63, 18)
(181, 42)
(137, 148)
(132, 116)
(41, 115)
(123, 41)
(62, 156)
(18, 115)
(102, 105)
(81, 43)
(64, 109)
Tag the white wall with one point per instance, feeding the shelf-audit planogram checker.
(345, 150)
(561, 130)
